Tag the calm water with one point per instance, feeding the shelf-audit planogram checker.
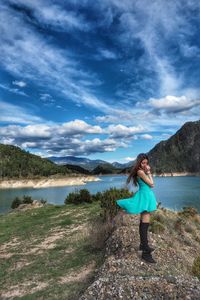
(172, 192)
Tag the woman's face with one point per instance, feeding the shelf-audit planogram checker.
(144, 163)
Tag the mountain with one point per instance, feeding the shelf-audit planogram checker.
(86, 163)
(17, 163)
(77, 169)
(105, 169)
(180, 153)
(121, 166)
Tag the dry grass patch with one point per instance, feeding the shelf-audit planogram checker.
(23, 289)
(78, 275)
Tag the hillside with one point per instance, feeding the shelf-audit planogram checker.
(17, 163)
(54, 255)
(77, 169)
(65, 252)
(105, 169)
(48, 252)
(180, 153)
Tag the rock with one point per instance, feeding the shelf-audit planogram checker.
(124, 276)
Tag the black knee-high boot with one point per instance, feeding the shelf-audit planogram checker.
(143, 230)
(146, 251)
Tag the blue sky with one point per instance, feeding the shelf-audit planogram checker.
(104, 79)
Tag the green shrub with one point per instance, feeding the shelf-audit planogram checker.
(108, 201)
(27, 200)
(157, 227)
(85, 196)
(97, 196)
(73, 198)
(43, 201)
(16, 202)
(78, 197)
(196, 266)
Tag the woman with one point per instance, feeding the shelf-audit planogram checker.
(143, 202)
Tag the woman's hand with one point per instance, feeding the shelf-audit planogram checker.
(148, 169)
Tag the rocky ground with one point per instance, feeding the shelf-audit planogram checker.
(125, 276)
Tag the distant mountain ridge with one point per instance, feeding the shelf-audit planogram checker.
(86, 163)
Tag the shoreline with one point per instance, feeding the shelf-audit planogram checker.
(176, 174)
(70, 181)
(46, 182)
(173, 174)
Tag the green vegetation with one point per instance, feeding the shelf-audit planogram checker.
(77, 169)
(17, 201)
(24, 200)
(79, 196)
(106, 169)
(107, 200)
(53, 252)
(17, 163)
(50, 252)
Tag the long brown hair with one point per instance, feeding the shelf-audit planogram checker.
(136, 166)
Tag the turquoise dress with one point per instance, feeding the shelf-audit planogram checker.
(143, 200)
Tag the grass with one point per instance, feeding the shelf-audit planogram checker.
(48, 253)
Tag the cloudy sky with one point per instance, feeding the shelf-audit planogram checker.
(104, 79)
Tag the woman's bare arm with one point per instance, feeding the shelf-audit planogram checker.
(147, 178)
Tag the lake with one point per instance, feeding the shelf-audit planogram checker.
(172, 192)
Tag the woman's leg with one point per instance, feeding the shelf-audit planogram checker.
(145, 217)
(146, 250)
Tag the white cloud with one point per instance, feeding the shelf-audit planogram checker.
(105, 53)
(145, 136)
(12, 90)
(69, 138)
(44, 131)
(129, 158)
(11, 113)
(173, 103)
(54, 15)
(121, 131)
(78, 127)
(19, 83)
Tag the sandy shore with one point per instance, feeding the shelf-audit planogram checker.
(46, 182)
